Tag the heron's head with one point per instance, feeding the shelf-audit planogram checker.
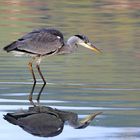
(84, 41)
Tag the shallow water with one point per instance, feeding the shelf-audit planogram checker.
(82, 82)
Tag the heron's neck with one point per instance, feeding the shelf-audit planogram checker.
(69, 47)
(72, 43)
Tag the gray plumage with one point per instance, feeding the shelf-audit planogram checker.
(41, 124)
(41, 42)
(44, 41)
(45, 121)
(38, 42)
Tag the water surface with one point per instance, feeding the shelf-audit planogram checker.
(82, 82)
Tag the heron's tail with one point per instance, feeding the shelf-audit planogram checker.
(10, 118)
(10, 47)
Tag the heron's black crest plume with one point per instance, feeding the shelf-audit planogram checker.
(83, 37)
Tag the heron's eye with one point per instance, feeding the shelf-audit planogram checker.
(86, 41)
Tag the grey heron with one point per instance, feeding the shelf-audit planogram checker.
(45, 42)
(45, 121)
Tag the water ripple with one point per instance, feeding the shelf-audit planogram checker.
(77, 84)
(15, 107)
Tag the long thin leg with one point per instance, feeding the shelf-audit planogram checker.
(41, 75)
(39, 94)
(33, 75)
(31, 94)
(31, 70)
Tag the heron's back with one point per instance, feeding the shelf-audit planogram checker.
(41, 42)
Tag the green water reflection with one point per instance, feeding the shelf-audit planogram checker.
(110, 82)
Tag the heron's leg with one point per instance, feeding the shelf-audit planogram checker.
(31, 70)
(39, 94)
(41, 75)
(33, 75)
(31, 94)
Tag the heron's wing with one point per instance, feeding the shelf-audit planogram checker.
(41, 41)
(42, 124)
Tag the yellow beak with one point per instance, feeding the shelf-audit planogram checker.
(91, 47)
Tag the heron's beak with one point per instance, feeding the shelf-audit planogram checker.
(91, 47)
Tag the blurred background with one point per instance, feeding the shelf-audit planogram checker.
(82, 82)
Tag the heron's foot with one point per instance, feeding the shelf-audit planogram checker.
(31, 101)
(38, 103)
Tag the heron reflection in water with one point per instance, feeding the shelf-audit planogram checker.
(45, 42)
(45, 121)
